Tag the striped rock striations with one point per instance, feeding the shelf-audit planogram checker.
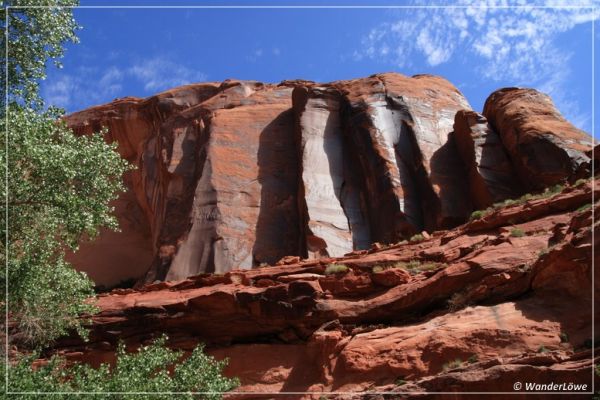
(239, 174)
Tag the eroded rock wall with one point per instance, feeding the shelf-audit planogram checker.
(239, 174)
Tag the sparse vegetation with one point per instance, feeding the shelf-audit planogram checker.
(543, 252)
(584, 207)
(516, 232)
(412, 266)
(542, 349)
(400, 382)
(548, 192)
(458, 301)
(417, 238)
(457, 363)
(580, 182)
(336, 269)
(473, 359)
(564, 337)
(477, 214)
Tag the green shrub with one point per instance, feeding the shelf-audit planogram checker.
(336, 269)
(154, 368)
(416, 266)
(378, 268)
(516, 232)
(473, 359)
(400, 382)
(542, 349)
(477, 214)
(554, 189)
(564, 337)
(580, 182)
(584, 207)
(452, 364)
(417, 238)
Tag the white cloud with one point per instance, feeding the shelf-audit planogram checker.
(160, 74)
(93, 85)
(256, 54)
(87, 85)
(502, 44)
(59, 92)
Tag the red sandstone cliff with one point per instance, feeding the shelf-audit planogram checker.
(240, 174)
(236, 175)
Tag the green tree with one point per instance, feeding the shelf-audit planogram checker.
(36, 36)
(59, 189)
(55, 191)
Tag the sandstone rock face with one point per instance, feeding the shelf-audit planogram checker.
(507, 307)
(240, 174)
(544, 147)
(490, 173)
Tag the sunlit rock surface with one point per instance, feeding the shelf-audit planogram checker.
(240, 174)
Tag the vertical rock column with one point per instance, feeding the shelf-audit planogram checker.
(381, 137)
(490, 173)
(543, 146)
(428, 104)
(334, 221)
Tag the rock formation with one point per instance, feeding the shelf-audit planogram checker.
(500, 299)
(240, 174)
(278, 225)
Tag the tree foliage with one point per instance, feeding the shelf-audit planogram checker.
(59, 189)
(55, 191)
(35, 37)
(153, 368)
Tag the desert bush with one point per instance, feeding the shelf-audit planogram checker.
(378, 268)
(457, 301)
(517, 232)
(457, 363)
(584, 207)
(580, 182)
(336, 269)
(417, 238)
(477, 214)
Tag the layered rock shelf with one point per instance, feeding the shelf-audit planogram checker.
(503, 298)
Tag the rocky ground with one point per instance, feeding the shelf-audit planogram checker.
(504, 298)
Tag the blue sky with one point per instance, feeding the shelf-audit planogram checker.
(139, 52)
